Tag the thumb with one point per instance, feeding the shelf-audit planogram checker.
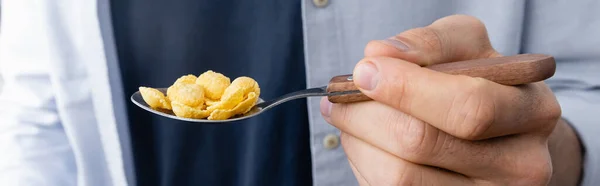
(449, 39)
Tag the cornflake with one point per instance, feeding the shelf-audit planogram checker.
(211, 95)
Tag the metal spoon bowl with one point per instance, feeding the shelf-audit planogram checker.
(260, 106)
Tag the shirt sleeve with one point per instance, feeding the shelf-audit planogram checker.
(581, 108)
(34, 149)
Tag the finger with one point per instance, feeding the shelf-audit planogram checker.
(411, 139)
(465, 107)
(407, 138)
(452, 38)
(381, 168)
(359, 177)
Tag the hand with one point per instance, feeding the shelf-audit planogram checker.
(429, 128)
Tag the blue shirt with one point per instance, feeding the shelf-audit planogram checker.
(160, 40)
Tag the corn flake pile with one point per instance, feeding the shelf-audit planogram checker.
(210, 95)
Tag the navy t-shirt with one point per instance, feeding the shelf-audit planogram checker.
(161, 40)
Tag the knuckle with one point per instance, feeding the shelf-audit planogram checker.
(536, 170)
(551, 108)
(476, 115)
(475, 30)
(428, 36)
(393, 123)
(554, 112)
(555, 109)
(550, 119)
(414, 141)
(539, 100)
(532, 167)
(474, 24)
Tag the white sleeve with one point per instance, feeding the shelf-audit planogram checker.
(34, 149)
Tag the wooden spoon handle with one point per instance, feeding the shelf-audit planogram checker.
(509, 70)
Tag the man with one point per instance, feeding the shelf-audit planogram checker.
(70, 66)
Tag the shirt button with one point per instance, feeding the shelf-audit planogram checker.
(320, 3)
(331, 141)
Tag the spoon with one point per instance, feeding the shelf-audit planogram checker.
(509, 70)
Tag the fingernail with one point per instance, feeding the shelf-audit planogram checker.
(366, 76)
(396, 43)
(325, 107)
